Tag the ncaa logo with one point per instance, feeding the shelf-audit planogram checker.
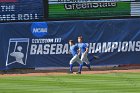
(39, 29)
(17, 51)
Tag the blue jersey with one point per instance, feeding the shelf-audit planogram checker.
(82, 47)
(74, 50)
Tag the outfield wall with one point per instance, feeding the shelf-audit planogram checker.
(45, 44)
(44, 10)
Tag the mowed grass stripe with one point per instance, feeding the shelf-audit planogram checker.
(95, 83)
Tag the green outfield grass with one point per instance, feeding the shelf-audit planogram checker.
(95, 83)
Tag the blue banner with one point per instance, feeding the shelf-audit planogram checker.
(41, 44)
(21, 10)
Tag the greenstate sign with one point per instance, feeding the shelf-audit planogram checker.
(85, 9)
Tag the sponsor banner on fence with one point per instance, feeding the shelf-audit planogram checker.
(88, 9)
(21, 10)
(41, 44)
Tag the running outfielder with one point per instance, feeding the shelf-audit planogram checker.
(74, 51)
(83, 51)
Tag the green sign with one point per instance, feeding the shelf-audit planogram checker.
(87, 10)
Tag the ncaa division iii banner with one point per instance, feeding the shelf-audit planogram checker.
(41, 44)
(21, 10)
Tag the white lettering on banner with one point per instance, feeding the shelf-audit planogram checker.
(59, 49)
(104, 47)
(49, 49)
(131, 46)
(7, 8)
(39, 30)
(98, 48)
(8, 17)
(138, 46)
(11, 14)
(27, 16)
(48, 40)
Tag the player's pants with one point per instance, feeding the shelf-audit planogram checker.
(76, 59)
(84, 58)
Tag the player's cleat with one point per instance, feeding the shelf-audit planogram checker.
(89, 68)
(78, 73)
(70, 72)
(88, 65)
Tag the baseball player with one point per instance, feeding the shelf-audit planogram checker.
(84, 52)
(74, 51)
